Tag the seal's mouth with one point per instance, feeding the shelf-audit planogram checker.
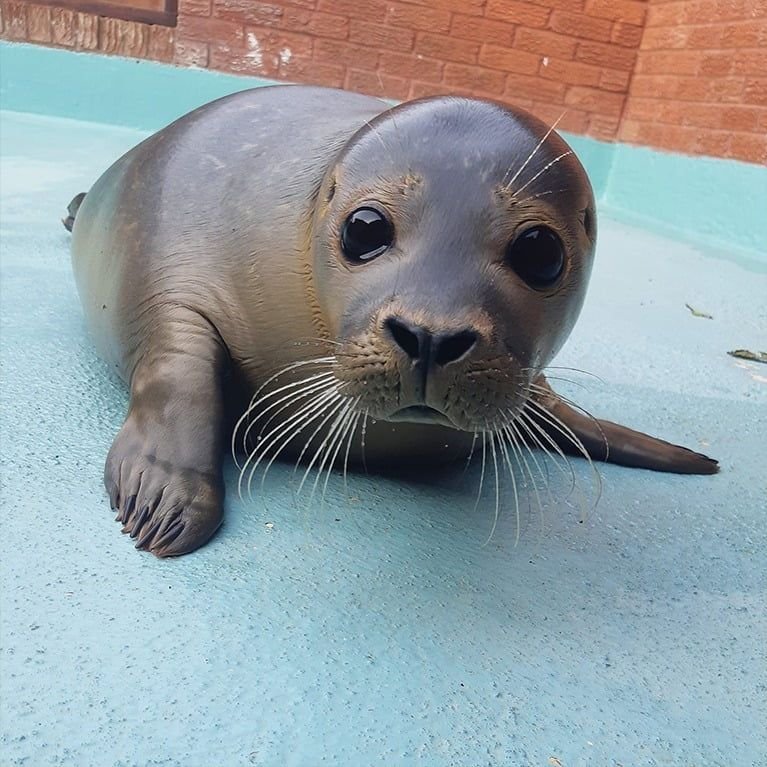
(421, 414)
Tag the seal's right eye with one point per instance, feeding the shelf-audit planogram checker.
(366, 234)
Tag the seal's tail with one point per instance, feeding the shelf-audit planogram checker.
(72, 209)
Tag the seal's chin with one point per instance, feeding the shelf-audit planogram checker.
(421, 414)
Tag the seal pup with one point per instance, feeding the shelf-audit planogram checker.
(408, 272)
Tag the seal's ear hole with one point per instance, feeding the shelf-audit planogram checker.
(537, 256)
(366, 234)
(588, 223)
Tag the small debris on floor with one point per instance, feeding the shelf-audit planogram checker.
(745, 354)
(696, 313)
(554, 762)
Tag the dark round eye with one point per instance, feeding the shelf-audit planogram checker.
(537, 256)
(366, 234)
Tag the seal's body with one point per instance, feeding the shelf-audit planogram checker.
(423, 264)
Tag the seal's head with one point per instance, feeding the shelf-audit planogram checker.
(452, 241)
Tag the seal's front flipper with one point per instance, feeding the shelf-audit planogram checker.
(611, 442)
(164, 470)
(72, 209)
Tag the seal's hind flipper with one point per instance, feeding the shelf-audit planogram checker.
(611, 442)
(72, 209)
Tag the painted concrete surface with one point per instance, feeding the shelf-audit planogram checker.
(378, 630)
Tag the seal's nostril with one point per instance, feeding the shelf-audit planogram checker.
(451, 348)
(408, 339)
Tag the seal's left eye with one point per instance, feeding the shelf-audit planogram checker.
(366, 234)
(537, 256)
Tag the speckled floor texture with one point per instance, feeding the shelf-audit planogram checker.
(378, 629)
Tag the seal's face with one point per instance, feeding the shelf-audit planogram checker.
(453, 242)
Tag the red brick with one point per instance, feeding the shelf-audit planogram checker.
(63, 27)
(39, 24)
(746, 34)
(572, 120)
(642, 108)
(248, 12)
(161, 45)
(570, 72)
(410, 66)
(626, 35)
(125, 38)
(593, 100)
(627, 11)
(448, 48)
(715, 143)
(663, 38)
(418, 17)
(472, 7)
(546, 43)
(15, 21)
(379, 36)
(534, 88)
(253, 62)
(580, 25)
(509, 60)
(664, 14)
(482, 30)
(736, 118)
(749, 148)
(206, 30)
(376, 84)
(515, 12)
(474, 78)
(756, 91)
(720, 10)
(315, 23)
(420, 90)
(369, 10)
(277, 45)
(604, 55)
(337, 52)
(712, 64)
(311, 73)
(194, 8)
(566, 5)
(191, 53)
(605, 128)
(748, 63)
(614, 80)
(671, 62)
(709, 36)
(87, 36)
(630, 131)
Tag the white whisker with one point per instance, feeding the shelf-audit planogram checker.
(325, 398)
(497, 488)
(533, 153)
(312, 385)
(566, 431)
(510, 466)
(342, 406)
(542, 171)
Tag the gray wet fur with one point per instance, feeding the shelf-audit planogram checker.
(207, 258)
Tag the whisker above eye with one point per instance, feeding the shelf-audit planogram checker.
(542, 171)
(533, 153)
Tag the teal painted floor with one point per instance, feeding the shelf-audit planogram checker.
(379, 630)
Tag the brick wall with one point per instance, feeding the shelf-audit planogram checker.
(548, 56)
(700, 82)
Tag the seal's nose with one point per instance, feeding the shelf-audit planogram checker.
(423, 346)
